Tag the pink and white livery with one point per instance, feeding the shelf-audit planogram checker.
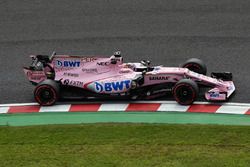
(60, 76)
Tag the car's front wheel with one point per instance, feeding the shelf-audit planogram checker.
(185, 91)
(195, 65)
(46, 92)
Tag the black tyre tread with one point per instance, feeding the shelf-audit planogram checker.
(197, 62)
(50, 82)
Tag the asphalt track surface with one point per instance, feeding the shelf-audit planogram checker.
(166, 32)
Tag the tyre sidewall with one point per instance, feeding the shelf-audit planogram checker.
(192, 87)
(51, 86)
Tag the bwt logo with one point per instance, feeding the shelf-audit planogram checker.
(67, 63)
(214, 94)
(112, 86)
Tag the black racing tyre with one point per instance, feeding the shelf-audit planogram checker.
(185, 91)
(47, 92)
(195, 65)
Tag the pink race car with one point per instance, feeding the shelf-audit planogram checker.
(60, 76)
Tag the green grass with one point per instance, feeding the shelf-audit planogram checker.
(137, 145)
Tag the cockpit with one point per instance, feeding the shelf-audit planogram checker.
(143, 66)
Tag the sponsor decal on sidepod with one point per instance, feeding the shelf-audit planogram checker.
(103, 63)
(159, 78)
(68, 63)
(117, 86)
(73, 83)
(89, 70)
(71, 74)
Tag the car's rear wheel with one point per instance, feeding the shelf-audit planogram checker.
(195, 65)
(47, 92)
(185, 91)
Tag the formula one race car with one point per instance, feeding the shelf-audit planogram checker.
(93, 77)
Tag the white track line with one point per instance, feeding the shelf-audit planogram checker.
(172, 107)
(113, 107)
(122, 102)
(18, 104)
(4, 110)
(232, 109)
(55, 108)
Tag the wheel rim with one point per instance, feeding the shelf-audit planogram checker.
(184, 94)
(45, 95)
